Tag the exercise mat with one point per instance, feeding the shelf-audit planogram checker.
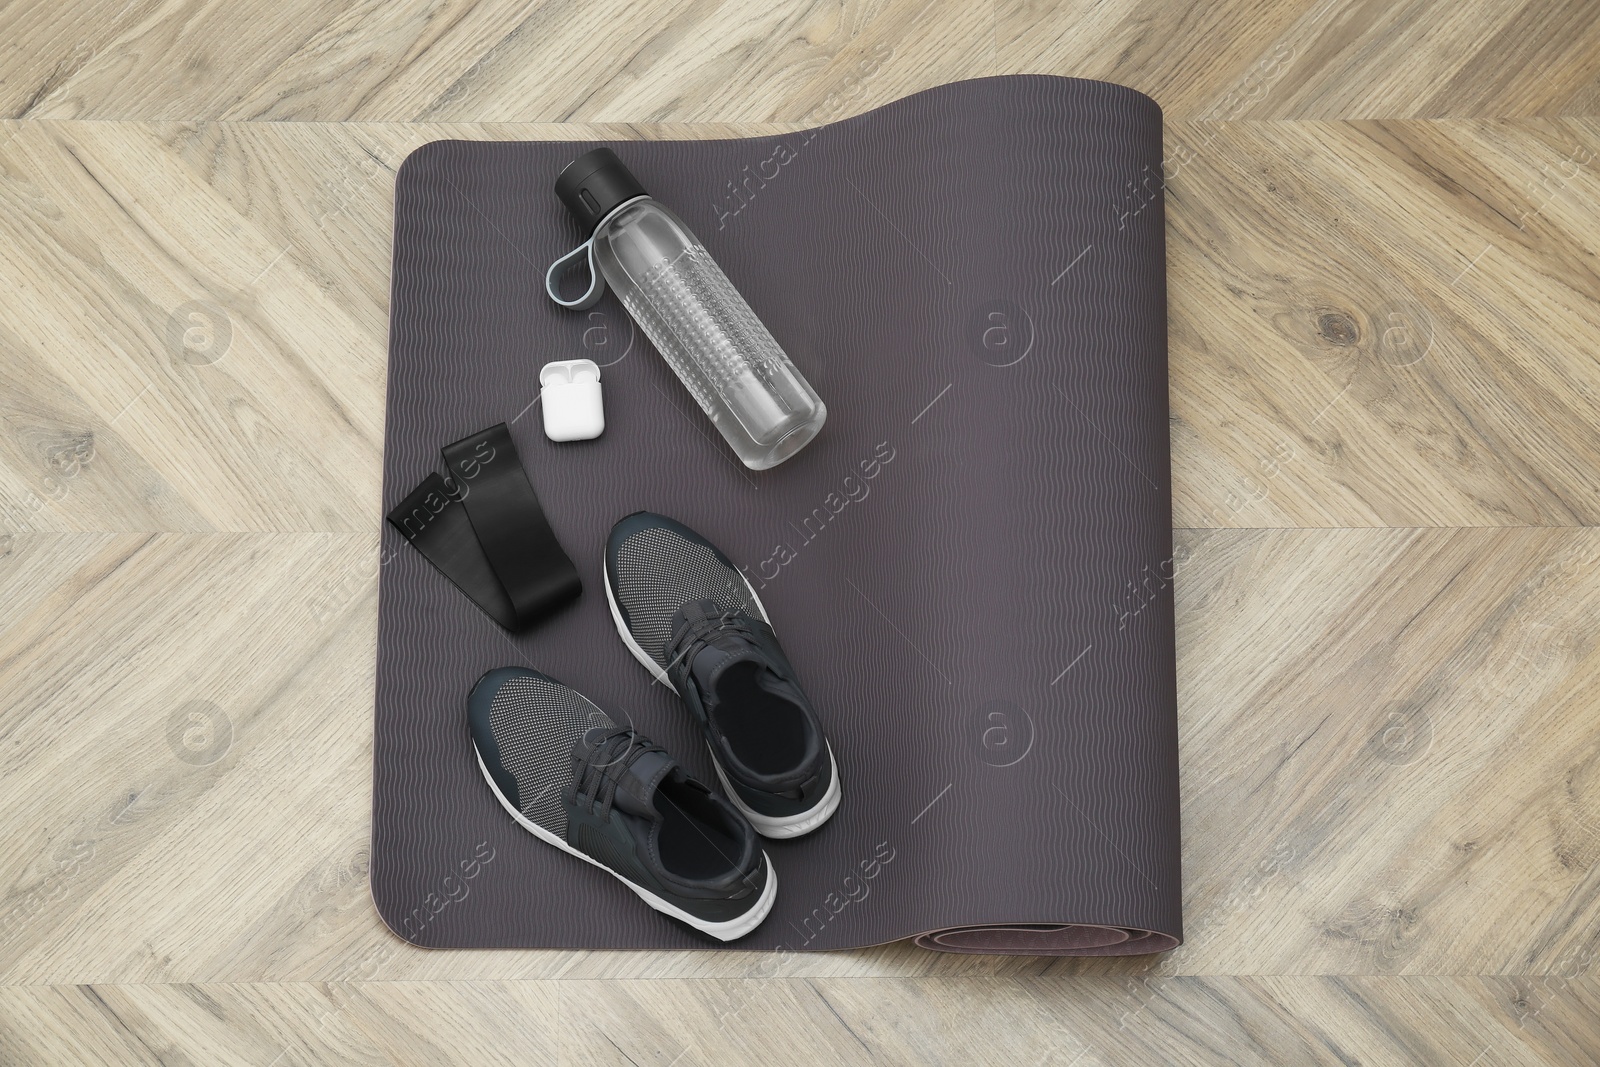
(970, 567)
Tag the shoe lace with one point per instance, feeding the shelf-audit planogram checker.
(602, 765)
(695, 633)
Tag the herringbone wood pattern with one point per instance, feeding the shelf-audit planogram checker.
(1382, 242)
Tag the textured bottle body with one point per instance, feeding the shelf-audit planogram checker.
(710, 337)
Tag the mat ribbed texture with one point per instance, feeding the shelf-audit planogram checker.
(969, 567)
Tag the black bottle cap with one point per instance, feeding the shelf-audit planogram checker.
(595, 183)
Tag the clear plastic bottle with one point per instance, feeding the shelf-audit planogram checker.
(689, 309)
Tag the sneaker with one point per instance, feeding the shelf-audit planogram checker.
(575, 779)
(686, 613)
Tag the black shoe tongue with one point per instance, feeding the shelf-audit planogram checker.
(712, 661)
(636, 791)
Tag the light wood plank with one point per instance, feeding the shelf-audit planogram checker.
(1096, 1022)
(1356, 59)
(1383, 323)
(697, 60)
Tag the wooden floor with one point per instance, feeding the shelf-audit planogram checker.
(1386, 443)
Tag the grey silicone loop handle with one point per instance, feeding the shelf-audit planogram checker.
(597, 282)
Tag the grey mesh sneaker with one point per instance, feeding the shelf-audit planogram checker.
(571, 776)
(685, 612)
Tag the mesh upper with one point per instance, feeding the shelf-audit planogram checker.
(658, 572)
(536, 722)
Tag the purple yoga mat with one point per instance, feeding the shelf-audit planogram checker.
(970, 567)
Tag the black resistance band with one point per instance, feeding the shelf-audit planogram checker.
(485, 531)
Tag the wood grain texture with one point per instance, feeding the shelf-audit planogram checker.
(1384, 324)
(796, 60)
(1382, 249)
(1102, 1022)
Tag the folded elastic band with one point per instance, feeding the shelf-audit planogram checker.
(485, 531)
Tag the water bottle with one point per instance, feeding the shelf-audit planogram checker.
(688, 308)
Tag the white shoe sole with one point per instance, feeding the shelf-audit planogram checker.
(783, 826)
(774, 826)
(723, 931)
